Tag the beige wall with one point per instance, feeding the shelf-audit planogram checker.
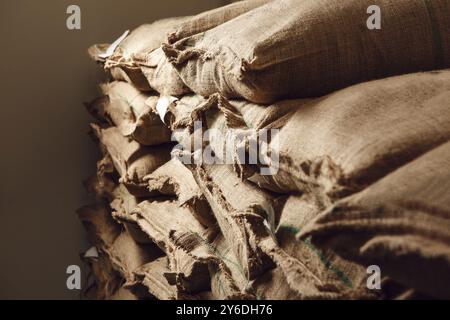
(45, 152)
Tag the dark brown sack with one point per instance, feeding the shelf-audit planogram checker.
(305, 48)
(401, 223)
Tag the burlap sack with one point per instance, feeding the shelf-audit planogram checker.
(105, 280)
(151, 275)
(272, 285)
(159, 73)
(140, 61)
(131, 111)
(343, 279)
(174, 179)
(143, 39)
(100, 226)
(241, 210)
(108, 237)
(244, 214)
(220, 124)
(131, 160)
(212, 18)
(121, 203)
(100, 186)
(164, 222)
(228, 278)
(105, 283)
(345, 141)
(198, 259)
(401, 223)
(304, 48)
(126, 255)
(335, 145)
(122, 206)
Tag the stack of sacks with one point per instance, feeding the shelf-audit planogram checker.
(274, 150)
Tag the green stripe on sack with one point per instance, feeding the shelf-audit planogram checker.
(327, 263)
(437, 42)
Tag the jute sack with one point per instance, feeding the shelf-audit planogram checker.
(345, 141)
(106, 280)
(126, 255)
(151, 275)
(131, 111)
(100, 186)
(139, 60)
(401, 223)
(221, 122)
(243, 214)
(122, 205)
(143, 39)
(238, 208)
(106, 283)
(108, 237)
(196, 256)
(212, 18)
(121, 202)
(343, 279)
(246, 217)
(227, 281)
(101, 227)
(159, 72)
(228, 278)
(304, 48)
(174, 179)
(131, 160)
(163, 221)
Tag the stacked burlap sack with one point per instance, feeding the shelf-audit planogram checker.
(357, 171)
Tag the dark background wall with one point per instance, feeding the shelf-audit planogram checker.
(45, 75)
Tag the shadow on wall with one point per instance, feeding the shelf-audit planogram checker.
(46, 75)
